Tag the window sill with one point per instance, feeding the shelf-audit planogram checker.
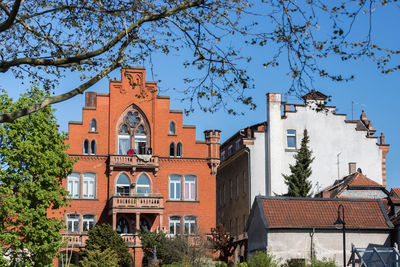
(291, 149)
(183, 201)
(170, 134)
(95, 132)
(90, 199)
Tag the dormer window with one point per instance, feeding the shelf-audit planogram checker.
(93, 126)
(172, 128)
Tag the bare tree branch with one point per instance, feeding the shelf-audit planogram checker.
(11, 16)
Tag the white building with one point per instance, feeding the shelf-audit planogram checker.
(338, 144)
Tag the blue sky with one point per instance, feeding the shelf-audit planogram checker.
(376, 93)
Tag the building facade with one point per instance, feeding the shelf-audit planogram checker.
(254, 159)
(139, 166)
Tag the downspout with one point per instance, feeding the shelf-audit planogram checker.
(248, 177)
(312, 244)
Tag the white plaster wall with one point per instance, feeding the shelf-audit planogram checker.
(257, 166)
(275, 143)
(329, 136)
(286, 244)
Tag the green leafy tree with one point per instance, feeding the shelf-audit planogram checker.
(103, 237)
(98, 258)
(298, 182)
(168, 250)
(45, 41)
(32, 167)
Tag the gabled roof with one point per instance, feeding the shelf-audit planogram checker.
(286, 212)
(314, 95)
(354, 180)
(395, 192)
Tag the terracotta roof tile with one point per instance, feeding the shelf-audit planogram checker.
(314, 95)
(395, 192)
(285, 212)
(361, 180)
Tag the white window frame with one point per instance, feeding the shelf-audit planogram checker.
(174, 221)
(89, 185)
(190, 221)
(176, 182)
(126, 137)
(87, 219)
(190, 183)
(291, 135)
(122, 185)
(73, 219)
(143, 186)
(73, 185)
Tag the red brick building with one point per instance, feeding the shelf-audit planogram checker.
(139, 166)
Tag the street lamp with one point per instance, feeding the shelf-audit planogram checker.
(341, 224)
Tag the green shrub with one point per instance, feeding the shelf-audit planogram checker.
(262, 259)
(322, 263)
(221, 264)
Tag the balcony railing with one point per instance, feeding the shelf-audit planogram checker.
(153, 201)
(133, 162)
(79, 240)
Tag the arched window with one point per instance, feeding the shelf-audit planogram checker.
(172, 128)
(133, 132)
(172, 150)
(123, 185)
(122, 226)
(93, 147)
(85, 147)
(143, 185)
(93, 126)
(179, 150)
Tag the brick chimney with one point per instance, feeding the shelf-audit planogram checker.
(90, 99)
(212, 140)
(352, 167)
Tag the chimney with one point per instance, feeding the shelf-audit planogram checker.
(382, 139)
(90, 99)
(352, 167)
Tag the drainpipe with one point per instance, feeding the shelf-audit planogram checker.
(312, 243)
(248, 176)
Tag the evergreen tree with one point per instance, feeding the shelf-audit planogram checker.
(297, 182)
(103, 237)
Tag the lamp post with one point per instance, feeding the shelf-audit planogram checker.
(341, 224)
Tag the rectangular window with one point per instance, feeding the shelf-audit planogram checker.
(190, 225)
(229, 150)
(123, 144)
(73, 223)
(88, 185)
(222, 155)
(175, 225)
(73, 185)
(291, 138)
(87, 222)
(237, 145)
(190, 188)
(175, 187)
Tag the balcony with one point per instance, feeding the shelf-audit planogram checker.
(153, 201)
(133, 162)
(79, 240)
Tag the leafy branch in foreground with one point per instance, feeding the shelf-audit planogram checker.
(45, 41)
